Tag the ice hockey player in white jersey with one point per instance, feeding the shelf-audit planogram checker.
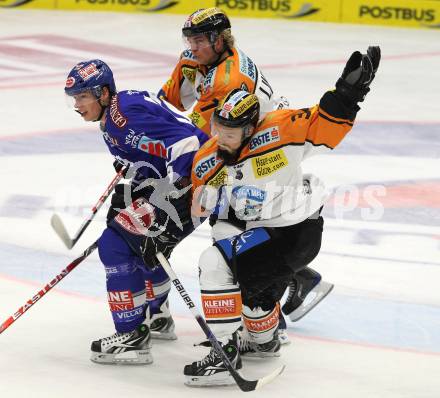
(210, 68)
(267, 222)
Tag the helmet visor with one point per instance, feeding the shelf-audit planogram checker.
(199, 41)
(82, 98)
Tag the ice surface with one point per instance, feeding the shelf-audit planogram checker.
(376, 335)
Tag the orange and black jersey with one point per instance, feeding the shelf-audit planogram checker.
(267, 182)
(192, 83)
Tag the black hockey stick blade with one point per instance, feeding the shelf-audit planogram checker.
(60, 230)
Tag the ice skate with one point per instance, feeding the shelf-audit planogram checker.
(250, 349)
(306, 291)
(283, 337)
(211, 371)
(163, 329)
(162, 323)
(124, 348)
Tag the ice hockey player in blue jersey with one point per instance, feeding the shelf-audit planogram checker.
(150, 214)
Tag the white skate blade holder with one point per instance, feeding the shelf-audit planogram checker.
(259, 355)
(168, 335)
(138, 357)
(226, 379)
(218, 379)
(283, 337)
(316, 295)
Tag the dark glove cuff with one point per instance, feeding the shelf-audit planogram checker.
(349, 94)
(337, 105)
(118, 166)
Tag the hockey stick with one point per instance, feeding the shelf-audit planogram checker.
(46, 288)
(243, 384)
(60, 229)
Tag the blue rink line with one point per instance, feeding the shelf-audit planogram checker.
(393, 139)
(81, 141)
(388, 323)
(366, 138)
(380, 322)
(88, 278)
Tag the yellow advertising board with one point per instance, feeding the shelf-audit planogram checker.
(312, 10)
(107, 5)
(50, 4)
(408, 13)
(168, 6)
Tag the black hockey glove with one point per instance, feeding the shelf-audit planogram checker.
(172, 205)
(359, 72)
(118, 166)
(120, 200)
(165, 243)
(180, 200)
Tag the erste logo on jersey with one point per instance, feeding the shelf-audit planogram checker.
(87, 72)
(264, 137)
(153, 147)
(206, 164)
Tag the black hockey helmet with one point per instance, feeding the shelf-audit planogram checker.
(206, 20)
(238, 109)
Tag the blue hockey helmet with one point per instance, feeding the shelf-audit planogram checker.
(90, 75)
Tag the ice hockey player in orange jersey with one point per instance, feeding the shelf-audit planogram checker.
(265, 212)
(211, 67)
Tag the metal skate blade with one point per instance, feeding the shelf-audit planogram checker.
(163, 335)
(140, 357)
(319, 292)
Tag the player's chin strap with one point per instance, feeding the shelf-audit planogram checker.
(225, 49)
(103, 108)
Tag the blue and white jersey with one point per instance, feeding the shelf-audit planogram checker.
(140, 127)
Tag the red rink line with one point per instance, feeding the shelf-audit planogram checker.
(420, 194)
(166, 73)
(61, 78)
(340, 61)
(291, 334)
